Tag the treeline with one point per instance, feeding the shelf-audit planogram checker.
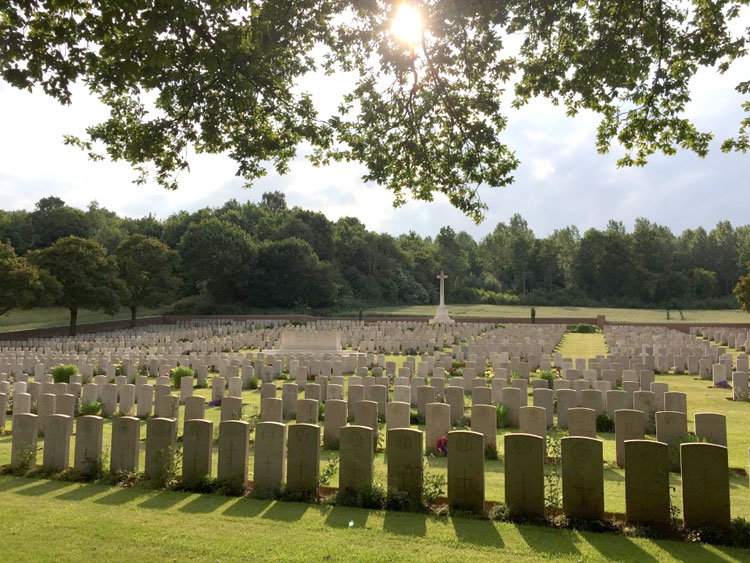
(243, 256)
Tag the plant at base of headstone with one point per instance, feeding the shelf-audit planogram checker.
(321, 411)
(401, 501)
(433, 486)
(515, 375)
(415, 418)
(548, 376)
(328, 471)
(499, 513)
(252, 419)
(490, 452)
(62, 373)
(253, 383)
(503, 416)
(442, 445)
(178, 373)
(604, 423)
(332, 444)
(553, 474)
(723, 385)
(91, 408)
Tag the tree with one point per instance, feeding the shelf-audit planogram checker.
(219, 256)
(423, 118)
(147, 268)
(742, 291)
(23, 285)
(52, 220)
(87, 276)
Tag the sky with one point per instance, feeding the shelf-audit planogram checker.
(561, 180)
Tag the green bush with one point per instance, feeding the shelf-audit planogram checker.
(178, 373)
(253, 383)
(62, 373)
(91, 408)
(674, 449)
(604, 423)
(548, 376)
(582, 328)
(503, 416)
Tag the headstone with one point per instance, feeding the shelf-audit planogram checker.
(357, 459)
(675, 401)
(466, 470)
(88, 446)
(269, 458)
(160, 447)
(198, 438)
(455, 398)
(366, 414)
(56, 443)
(545, 398)
(303, 457)
(484, 421)
(125, 445)
(437, 424)
(533, 420)
(231, 409)
(307, 411)
(271, 409)
(405, 462)
(524, 474)
(289, 396)
(335, 418)
(234, 446)
(647, 482)
(582, 422)
(566, 399)
(582, 478)
(705, 485)
(629, 425)
(23, 448)
(712, 427)
(195, 408)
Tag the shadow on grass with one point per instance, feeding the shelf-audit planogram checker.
(8, 483)
(612, 475)
(346, 517)
(477, 532)
(699, 552)
(247, 508)
(162, 500)
(286, 511)
(44, 488)
(82, 492)
(204, 504)
(122, 496)
(617, 548)
(547, 540)
(405, 523)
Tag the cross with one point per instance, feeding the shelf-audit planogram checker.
(268, 464)
(464, 481)
(582, 491)
(442, 277)
(406, 473)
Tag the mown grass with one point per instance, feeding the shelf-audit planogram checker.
(612, 314)
(43, 317)
(52, 520)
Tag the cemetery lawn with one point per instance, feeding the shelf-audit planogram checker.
(612, 314)
(54, 520)
(43, 317)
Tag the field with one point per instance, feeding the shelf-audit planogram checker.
(53, 520)
(523, 311)
(436, 538)
(44, 317)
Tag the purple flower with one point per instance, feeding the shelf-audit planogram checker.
(723, 385)
(216, 403)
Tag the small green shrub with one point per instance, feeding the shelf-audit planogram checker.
(328, 471)
(582, 328)
(503, 416)
(91, 408)
(62, 373)
(604, 423)
(253, 383)
(674, 449)
(433, 486)
(415, 418)
(178, 373)
(548, 376)
(371, 496)
(490, 452)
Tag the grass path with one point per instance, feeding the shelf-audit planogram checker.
(44, 317)
(51, 520)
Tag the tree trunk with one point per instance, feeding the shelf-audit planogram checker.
(132, 316)
(73, 320)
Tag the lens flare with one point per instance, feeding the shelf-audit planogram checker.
(407, 25)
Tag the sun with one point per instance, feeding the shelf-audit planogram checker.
(407, 25)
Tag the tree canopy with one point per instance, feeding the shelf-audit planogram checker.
(87, 276)
(225, 78)
(147, 268)
(23, 285)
